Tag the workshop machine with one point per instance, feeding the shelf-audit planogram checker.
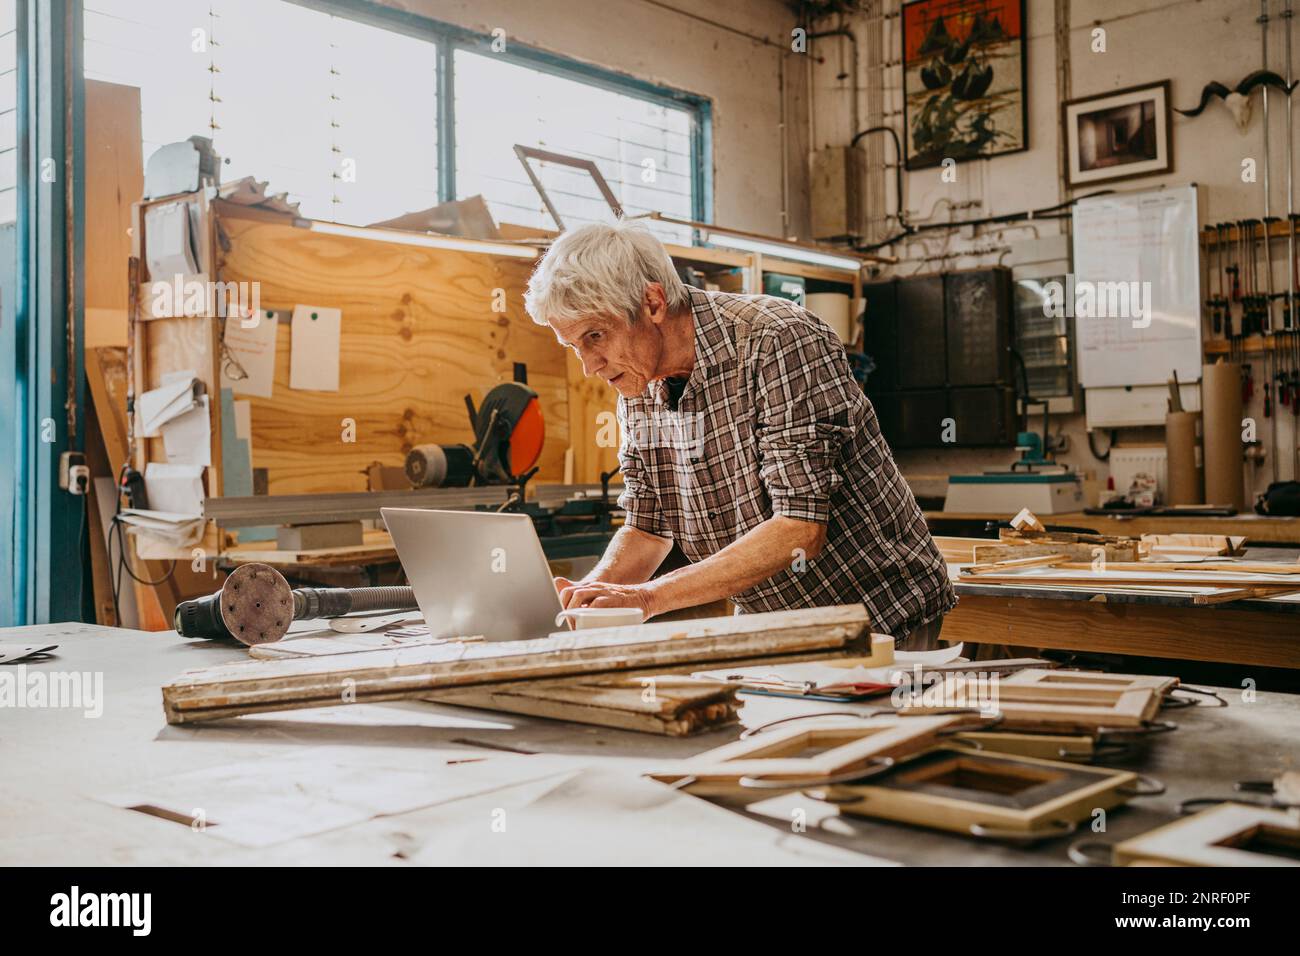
(1035, 481)
(508, 437)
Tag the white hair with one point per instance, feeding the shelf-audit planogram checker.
(600, 269)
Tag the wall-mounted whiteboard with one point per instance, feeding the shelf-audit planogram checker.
(1137, 254)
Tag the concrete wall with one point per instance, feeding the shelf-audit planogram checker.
(1188, 42)
(670, 42)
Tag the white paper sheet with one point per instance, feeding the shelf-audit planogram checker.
(264, 802)
(314, 348)
(174, 488)
(167, 242)
(254, 349)
(608, 815)
(188, 437)
(160, 405)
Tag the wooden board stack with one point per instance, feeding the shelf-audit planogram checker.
(258, 686)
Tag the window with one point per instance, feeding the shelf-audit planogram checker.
(339, 114)
(343, 110)
(642, 148)
(8, 110)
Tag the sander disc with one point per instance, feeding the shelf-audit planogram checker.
(257, 604)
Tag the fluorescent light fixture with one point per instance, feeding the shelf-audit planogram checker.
(485, 246)
(783, 251)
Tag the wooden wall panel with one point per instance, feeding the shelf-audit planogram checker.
(592, 405)
(114, 180)
(418, 334)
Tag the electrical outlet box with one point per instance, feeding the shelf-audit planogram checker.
(74, 476)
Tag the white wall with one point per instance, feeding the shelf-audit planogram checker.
(665, 41)
(1188, 42)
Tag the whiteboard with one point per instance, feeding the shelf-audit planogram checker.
(1144, 248)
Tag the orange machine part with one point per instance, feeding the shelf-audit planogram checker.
(526, 440)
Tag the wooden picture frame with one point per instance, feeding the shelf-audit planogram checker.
(774, 759)
(1062, 708)
(987, 794)
(1061, 677)
(965, 80)
(1230, 834)
(1121, 134)
(1070, 747)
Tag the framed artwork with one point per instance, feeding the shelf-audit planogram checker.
(963, 80)
(1118, 135)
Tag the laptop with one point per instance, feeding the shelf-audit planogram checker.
(475, 572)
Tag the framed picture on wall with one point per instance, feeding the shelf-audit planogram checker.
(1118, 135)
(963, 80)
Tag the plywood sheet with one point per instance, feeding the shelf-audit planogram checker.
(114, 180)
(593, 432)
(419, 333)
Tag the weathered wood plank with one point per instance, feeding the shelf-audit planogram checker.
(257, 686)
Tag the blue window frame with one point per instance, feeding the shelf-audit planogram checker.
(451, 40)
(423, 111)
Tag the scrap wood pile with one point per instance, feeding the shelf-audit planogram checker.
(1030, 556)
(625, 677)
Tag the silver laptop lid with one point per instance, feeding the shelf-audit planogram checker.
(475, 572)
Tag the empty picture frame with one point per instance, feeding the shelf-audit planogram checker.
(987, 794)
(1230, 834)
(1072, 747)
(525, 153)
(1044, 706)
(805, 753)
(1094, 679)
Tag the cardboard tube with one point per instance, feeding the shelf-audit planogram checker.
(1224, 451)
(1185, 482)
(833, 309)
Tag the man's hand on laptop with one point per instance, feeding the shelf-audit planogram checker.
(603, 594)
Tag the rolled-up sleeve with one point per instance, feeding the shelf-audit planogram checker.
(638, 499)
(807, 406)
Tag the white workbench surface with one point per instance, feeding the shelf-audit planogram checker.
(56, 763)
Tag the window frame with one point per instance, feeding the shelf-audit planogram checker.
(448, 38)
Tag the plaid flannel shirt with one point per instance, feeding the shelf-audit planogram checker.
(771, 422)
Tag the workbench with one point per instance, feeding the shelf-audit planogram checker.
(1113, 620)
(1265, 633)
(1259, 529)
(59, 761)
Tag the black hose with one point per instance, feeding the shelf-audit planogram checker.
(311, 603)
(1092, 447)
(898, 169)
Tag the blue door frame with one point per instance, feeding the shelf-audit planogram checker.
(43, 383)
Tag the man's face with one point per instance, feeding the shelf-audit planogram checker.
(626, 355)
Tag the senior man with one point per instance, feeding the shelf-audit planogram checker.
(745, 440)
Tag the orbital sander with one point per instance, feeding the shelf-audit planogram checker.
(256, 606)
